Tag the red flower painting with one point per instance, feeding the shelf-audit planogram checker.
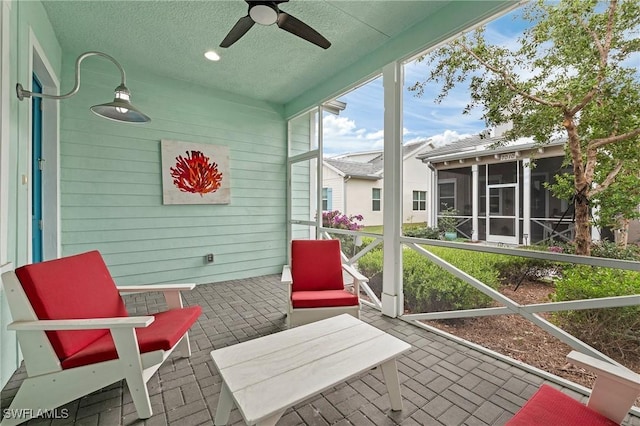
(196, 173)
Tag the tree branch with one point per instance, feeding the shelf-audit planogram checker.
(603, 50)
(598, 143)
(509, 82)
(607, 181)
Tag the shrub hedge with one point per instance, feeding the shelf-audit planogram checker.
(616, 329)
(430, 288)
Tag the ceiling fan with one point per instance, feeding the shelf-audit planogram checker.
(268, 13)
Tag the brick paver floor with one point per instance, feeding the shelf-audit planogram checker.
(443, 382)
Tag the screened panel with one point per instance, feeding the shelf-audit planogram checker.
(502, 201)
(503, 173)
(303, 133)
(503, 226)
(304, 190)
(455, 191)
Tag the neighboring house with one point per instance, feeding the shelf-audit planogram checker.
(497, 196)
(353, 184)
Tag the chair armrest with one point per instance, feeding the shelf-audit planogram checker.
(171, 292)
(604, 369)
(155, 287)
(82, 324)
(615, 389)
(286, 275)
(355, 274)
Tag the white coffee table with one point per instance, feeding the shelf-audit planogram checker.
(265, 376)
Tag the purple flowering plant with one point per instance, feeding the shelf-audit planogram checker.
(335, 219)
(556, 249)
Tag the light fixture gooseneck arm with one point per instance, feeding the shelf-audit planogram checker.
(120, 109)
(22, 93)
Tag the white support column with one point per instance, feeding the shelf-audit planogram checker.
(526, 201)
(317, 123)
(392, 298)
(475, 199)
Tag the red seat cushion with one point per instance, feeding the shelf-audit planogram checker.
(316, 265)
(162, 334)
(549, 406)
(323, 299)
(73, 287)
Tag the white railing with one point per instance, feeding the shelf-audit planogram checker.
(325, 233)
(509, 306)
(550, 229)
(460, 220)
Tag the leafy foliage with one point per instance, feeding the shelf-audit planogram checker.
(423, 232)
(429, 288)
(336, 219)
(572, 74)
(613, 251)
(617, 329)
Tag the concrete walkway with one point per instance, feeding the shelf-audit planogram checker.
(443, 382)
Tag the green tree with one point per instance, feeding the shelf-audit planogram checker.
(574, 75)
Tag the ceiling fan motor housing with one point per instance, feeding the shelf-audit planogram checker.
(263, 12)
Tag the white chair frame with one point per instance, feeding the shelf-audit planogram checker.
(48, 386)
(301, 316)
(615, 389)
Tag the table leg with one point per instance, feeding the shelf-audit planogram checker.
(390, 374)
(225, 404)
(271, 420)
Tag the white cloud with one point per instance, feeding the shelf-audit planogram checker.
(448, 136)
(341, 134)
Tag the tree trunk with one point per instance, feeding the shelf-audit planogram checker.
(583, 229)
(582, 183)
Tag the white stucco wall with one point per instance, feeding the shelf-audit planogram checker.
(331, 179)
(358, 192)
(416, 177)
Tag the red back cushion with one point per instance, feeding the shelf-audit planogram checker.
(316, 265)
(73, 287)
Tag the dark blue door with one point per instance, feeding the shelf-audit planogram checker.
(36, 179)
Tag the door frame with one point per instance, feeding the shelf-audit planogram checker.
(40, 65)
(498, 238)
(37, 252)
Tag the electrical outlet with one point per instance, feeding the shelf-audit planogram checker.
(209, 258)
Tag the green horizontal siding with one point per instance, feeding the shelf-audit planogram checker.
(111, 186)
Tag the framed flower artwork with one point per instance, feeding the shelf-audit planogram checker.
(195, 173)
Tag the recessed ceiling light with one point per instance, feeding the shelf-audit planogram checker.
(212, 56)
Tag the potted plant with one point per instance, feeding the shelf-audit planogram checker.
(447, 223)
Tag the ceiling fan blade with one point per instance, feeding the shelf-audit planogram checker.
(241, 27)
(297, 27)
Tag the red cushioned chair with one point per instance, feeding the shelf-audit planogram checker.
(316, 282)
(613, 394)
(76, 336)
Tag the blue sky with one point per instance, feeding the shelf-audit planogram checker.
(359, 126)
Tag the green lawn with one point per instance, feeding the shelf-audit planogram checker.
(378, 228)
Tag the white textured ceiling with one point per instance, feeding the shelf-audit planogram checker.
(170, 38)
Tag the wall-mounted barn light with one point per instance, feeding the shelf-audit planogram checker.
(120, 109)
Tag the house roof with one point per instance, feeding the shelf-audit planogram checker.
(480, 146)
(346, 165)
(354, 169)
(170, 37)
